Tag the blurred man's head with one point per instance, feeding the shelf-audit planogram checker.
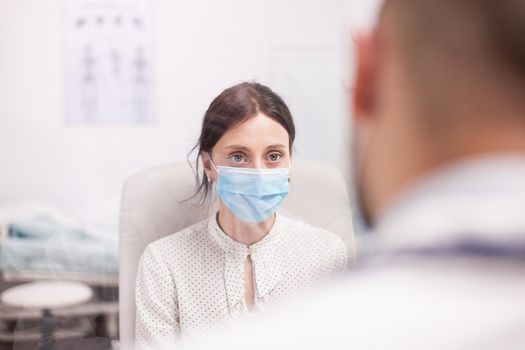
(439, 80)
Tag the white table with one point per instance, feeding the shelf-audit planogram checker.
(45, 296)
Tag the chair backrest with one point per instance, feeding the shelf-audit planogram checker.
(151, 208)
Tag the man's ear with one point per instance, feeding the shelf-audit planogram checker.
(365, 75)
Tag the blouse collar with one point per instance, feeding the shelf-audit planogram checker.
(233, 247)
(267, 269)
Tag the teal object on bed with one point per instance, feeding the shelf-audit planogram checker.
(41, 246)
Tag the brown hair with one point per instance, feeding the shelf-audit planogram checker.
(445, 41)
(450, 26)
(231, 108)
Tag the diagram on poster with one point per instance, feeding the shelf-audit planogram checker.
(108, 61)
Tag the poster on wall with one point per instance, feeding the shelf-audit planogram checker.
(108, 64)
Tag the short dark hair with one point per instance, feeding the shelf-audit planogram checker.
(443, 39)
(231, 108)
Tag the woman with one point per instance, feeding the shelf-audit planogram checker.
(247, 255)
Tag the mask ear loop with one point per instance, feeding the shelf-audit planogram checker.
(289, 171)
(213, 166)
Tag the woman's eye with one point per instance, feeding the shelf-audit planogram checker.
(274, 157)
(238, 158)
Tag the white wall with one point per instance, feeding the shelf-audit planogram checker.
(297, 47)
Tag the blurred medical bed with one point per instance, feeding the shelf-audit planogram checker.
(42, 243)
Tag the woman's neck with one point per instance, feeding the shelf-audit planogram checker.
(247, 233)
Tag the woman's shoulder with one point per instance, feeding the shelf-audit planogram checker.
(318, 245)
(301, 230)
(181, 240)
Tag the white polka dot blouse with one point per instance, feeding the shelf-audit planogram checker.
(193, 280)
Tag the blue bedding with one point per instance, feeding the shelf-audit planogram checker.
(42, 246)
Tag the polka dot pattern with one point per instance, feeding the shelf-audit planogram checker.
(192, 281)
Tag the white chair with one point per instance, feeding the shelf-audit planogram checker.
(151, 208)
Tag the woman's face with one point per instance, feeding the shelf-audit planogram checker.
(259, 142)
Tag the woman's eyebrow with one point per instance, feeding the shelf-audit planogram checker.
(277, 145)
(238, 147)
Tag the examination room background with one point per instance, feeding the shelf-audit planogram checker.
(299, 48)
(58, 174)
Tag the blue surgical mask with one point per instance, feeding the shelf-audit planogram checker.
(253, 195)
